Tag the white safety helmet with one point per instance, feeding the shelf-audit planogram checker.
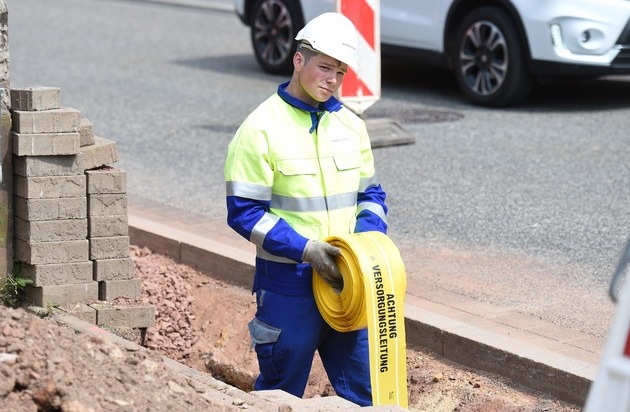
(332, 34)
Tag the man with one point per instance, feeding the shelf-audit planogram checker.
(299, 169)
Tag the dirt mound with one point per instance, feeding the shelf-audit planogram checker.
(46, 367)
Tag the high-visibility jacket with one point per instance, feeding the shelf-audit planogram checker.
(294, 172)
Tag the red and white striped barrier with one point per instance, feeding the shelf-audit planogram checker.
(362, 88)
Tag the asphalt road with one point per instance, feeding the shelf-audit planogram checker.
(525, 208)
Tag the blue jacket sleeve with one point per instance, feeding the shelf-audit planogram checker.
(279, 239)
(371, 210)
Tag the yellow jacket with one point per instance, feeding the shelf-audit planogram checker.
(293, 173)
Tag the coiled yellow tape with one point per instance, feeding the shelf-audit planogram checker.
(373, 295)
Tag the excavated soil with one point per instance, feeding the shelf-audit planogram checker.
(202, 323)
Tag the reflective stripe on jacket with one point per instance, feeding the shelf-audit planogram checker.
(293, 174)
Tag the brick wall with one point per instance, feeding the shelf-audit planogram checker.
(71, 234)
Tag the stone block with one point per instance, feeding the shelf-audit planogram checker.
(45, 144)
(58, 273)
(111, 289)
(35, 98)
(114, 247)
(81, 311)
(102, 153)
(50, 230)
(107, 204)
(106, 180)
(108, 226)
(63, 120)
(114, 269)
(56, 295)
(37, 166)
(50, 209)
(86, 132)
(124, 316)
(161, 243)
(51, 252)
(49, 187)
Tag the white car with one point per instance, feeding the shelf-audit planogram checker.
(496, 48)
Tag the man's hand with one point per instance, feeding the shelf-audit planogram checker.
(320, 255)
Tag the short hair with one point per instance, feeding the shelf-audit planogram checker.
(307, 50)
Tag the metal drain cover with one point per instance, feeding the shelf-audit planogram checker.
(387, 132)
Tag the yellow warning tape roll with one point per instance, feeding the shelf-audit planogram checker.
(373, 295)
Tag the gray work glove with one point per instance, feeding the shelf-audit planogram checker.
(320, 255)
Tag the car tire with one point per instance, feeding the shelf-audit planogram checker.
(489, 59)
(274, 25)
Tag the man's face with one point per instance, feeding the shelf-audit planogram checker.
(320, 77)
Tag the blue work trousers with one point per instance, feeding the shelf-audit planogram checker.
(286, 332)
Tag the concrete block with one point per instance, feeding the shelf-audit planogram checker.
(49, 187)
(45, 144)
(425, 335)
(50, 230)
(107, 204)
(50, 209)
(326, 403)
(106, 180)
(124, 316)
(56, 295)
(63, 120)
(109, 247)
(276, 396)
(35, 98)
(102, 153)
(226, 262)
(159, 243)
(86, 132)
(112, 289)
(37, 166)
(81, 311)
(108, 226)
(58, 273)
(114, 269)
(51, 252)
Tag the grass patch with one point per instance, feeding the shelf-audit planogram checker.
(12, 287)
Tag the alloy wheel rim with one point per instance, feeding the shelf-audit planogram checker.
(273, 32)
(484, 58)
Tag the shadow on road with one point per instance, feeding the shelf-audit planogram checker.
(239, 64)
(606, 93)
(567, 95)
(439, 86)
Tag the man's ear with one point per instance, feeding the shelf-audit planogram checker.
(298, 60)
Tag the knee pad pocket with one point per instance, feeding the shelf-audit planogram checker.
(264, 339)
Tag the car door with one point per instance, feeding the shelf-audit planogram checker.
(417, 24)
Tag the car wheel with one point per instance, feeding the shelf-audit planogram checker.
(489, 59)
(274, 25)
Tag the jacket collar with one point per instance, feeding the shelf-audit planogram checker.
(330, 105)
